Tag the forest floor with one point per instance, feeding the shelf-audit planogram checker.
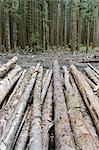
(46, 59)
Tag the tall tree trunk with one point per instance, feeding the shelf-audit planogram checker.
(0, 26)
(7, 28)
(29, 22)
(73, 25)
(88, 36)
(22, 25)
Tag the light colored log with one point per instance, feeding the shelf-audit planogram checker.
(83, 137)
(46, 85)
(36, 130)
(24, 135)
(92, 67)
(47, 117)
(92, 84)
(7, 83)
(8, 137)
(89, 97)
(45, 76)
(84, 110)
(6, 67)
(91, 75)
(63, 135)
(8, 110)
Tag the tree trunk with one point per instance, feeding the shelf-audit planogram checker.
(9, 135)
(63, 134)
(7, 83)
(89, 97)
(88, 36)
(6, 67)
(36, 130)
(73, 25)
(47, 118)
(82, 134)
(7, 26)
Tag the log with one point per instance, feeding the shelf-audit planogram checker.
(92, 67)
(8, 137)
(89, 97)
(91, 75)
(24, 135)
(45, 77)
(6, 67)
(7, 83)
(63, 135)
(84, 110)
(83, 138)
(92, 84)
(36, 131)
(5, 113)
(47, 122)
(46, 85)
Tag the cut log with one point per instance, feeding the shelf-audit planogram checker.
(92, 67)
(36, 131)
(91, 75)
(9, 136)
(89, 97)
(46, 85)
(7, 83)
(6, 67)
(84, 110)
(47, 117)
(83, 137)
(24, 135)
(45, 76)
(5, 113)
(63, 135)
(92, 84)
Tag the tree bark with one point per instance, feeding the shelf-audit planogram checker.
(6, 67)
(47, 117)
(63, 134)
(89, 97)
(8, 137)
(7, 83)
(83, 137)
(36, 130)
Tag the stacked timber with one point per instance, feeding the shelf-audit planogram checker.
(57, 108)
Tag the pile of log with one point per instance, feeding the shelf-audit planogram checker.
(57, 108)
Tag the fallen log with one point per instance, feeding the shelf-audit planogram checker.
(63, 134)
(83, 138)
(46, 85)
(91, 75)
(47, 117)
(24, 134)
(84, 110)
(92, 84)
(7, 83)
(92, 67)
(36, 130)
(6, 67)
(89, 97)
(8, 137)
(5, 113)
(45, 77)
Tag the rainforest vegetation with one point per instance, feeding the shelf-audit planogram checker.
(44, 24)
